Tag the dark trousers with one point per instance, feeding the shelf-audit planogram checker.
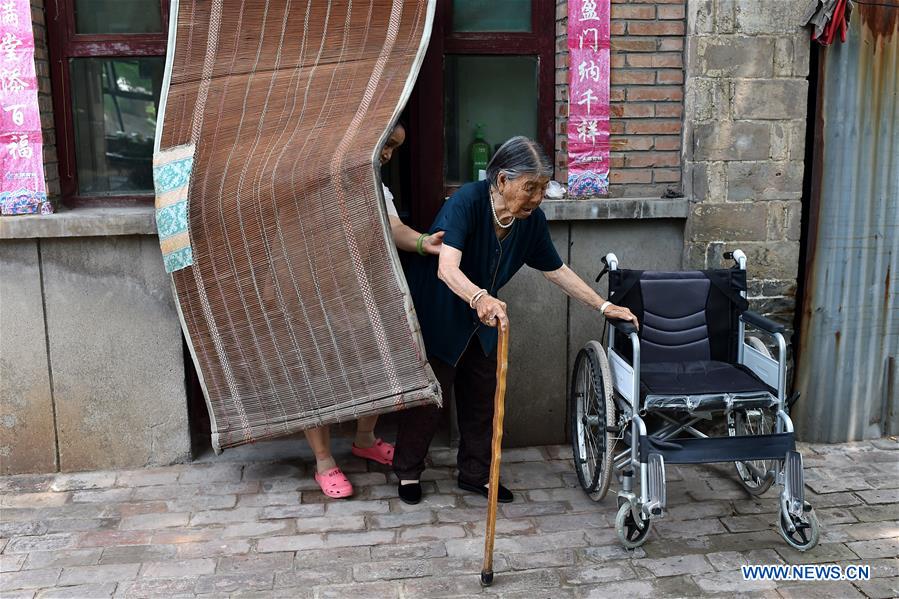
(474, 381)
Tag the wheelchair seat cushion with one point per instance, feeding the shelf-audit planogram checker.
(704, 385)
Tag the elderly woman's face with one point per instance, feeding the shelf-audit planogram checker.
(521, 196)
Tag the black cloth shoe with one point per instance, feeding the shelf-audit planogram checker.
(503, 496)
(409, 493)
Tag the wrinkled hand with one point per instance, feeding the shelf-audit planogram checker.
(433, 243)
(621, 313)
(491, 311)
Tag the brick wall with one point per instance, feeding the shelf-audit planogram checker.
(44, 99)
(646, 95)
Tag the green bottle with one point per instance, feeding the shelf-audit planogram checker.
(480, 152)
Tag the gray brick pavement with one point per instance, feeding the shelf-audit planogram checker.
(253, 524)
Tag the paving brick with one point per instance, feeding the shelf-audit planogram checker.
(34, 500)
(40, 543)
(106, 538)
(267, 471)
(102, 496)
(260, 529)
(368, 590)
(291, 543)
(522, 510)
(880, 588)
(161, 587)
(154, 521)
(22, 529)
(440, 501)
(80, 524)
(546, 542)
(310, 577)
(823, 553)
(241, 514)
(211, 473)
(820, 590)
(83, 480)
(213, 548)
(408, 551)
(392, 570)
(220, 584)
(12, 563)
(256, 563)
(353, 539)
(597, 573)
(726, 582)
(455, 586)
(83, 591)
(267, 499)
(94, 574)
(351, 508)
(62, 558)
(673, 566)
(201, 503)
(331, 557)
(328, 524)
(307, 510)
(135, 554)
(29, 579)
(544, 559)
(889, 496)
(380, 521)
(178, 569)
(431, 533)
(888, 547)
(147, 477)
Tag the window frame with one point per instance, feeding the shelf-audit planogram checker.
(426, 107)
(65, 44)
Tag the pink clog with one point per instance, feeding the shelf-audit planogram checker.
(381, 452)
(334, 483)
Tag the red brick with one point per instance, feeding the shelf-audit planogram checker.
(629, 11)
(616, 160)
(670, 110)
(630, 44)
(633, 77)
(616, 94)
(671, 44)
(638, 60)
(631, 110)
(653, 126)
(667, 142)
(668, 59)
(632, 142)
(631, 175)
(617, 27)
(616, 61)
(655, 28)
(666, 175)
(642, 94)
(642, 159)
(670, 76)
(672, 12)
(616, 127)
(561, 61)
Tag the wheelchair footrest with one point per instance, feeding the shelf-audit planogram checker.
(720, 449)
(794, 485)
(657, 495)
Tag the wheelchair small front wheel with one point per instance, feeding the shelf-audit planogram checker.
(631, 533)
(806, 530)
(591, 416)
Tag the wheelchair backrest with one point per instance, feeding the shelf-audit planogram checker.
(684, 316)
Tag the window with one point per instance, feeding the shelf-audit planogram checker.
(490, 70)
(108, 58)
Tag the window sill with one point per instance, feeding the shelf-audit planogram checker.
(615, 208)
(81, 222)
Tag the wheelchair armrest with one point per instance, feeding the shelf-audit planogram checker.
(625, 326)
(766, 324)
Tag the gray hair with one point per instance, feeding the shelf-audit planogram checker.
(519, 156)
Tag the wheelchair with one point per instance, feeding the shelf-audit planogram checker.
(639, 403)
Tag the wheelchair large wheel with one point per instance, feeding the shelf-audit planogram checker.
(756, 476)
(591, 415)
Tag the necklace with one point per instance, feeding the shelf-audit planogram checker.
(496, 217)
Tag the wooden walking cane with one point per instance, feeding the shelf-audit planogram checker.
(499, 401)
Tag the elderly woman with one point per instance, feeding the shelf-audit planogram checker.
(492, 228)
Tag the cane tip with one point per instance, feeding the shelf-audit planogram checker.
(486, 578)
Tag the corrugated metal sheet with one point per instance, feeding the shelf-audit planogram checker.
(850, 331)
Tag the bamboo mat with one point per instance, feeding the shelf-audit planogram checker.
(295, 307)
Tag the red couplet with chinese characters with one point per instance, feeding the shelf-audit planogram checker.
(22, 186)
(588, 97)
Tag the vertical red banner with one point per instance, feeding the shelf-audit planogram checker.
(22, 186)
(588, 97)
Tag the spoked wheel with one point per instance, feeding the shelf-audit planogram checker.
(756, 476)
(631, 533)
(806, 533)
(591, 416)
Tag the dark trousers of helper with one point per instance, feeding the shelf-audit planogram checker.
(474, 382)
